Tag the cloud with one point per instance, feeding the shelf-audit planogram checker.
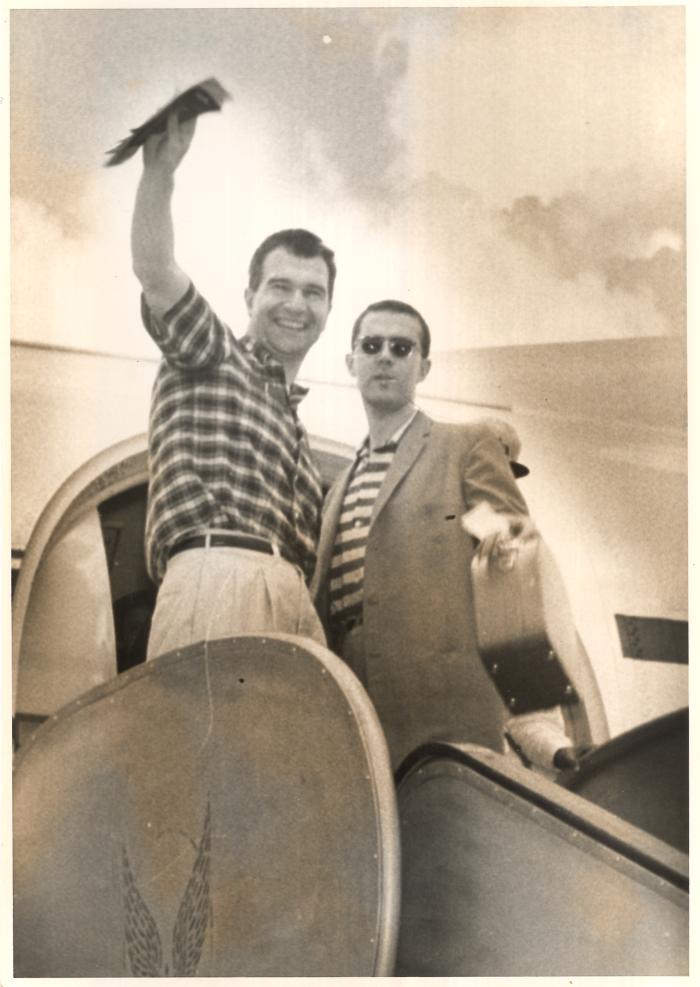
(355, 128)
(483, 103)
(632, 240)
(464, 159)
(516, 102)
(70, 291)
(391, 62)
(533, 273)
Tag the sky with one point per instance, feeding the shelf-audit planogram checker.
(518, 174)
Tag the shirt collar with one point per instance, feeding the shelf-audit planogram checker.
(296, 394)
(393, 441)
(257, 349)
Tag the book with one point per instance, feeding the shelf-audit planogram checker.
(205, 97)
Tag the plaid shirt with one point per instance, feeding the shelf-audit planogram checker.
(226, 449)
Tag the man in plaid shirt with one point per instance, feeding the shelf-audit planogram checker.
(234, 497)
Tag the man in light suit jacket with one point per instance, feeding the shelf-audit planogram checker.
(392, 583)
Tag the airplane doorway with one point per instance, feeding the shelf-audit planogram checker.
(122, 519)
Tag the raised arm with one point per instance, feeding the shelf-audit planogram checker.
(152, 236)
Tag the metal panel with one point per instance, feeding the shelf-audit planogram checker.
(653, 638)
(506, 874)
(642, 776)
(226, 814)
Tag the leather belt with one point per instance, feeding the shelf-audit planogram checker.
(251, 542)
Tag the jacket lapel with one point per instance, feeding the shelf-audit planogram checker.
(410, 447)
(329, 524)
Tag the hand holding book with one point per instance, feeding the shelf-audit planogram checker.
(205, 97)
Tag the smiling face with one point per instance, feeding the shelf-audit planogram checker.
(388, 382)
(288, 310)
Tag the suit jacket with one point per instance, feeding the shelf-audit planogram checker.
(424, 674)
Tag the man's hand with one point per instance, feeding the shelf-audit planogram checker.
(501, 546)
(164, 152)
(205, 97)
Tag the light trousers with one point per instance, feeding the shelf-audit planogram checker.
(211, 593)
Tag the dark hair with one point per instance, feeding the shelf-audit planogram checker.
(390, 305)
(298, 242)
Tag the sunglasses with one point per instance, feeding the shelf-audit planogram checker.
(399, 346)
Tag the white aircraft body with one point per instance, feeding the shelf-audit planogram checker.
(278, 844)
(603, 432)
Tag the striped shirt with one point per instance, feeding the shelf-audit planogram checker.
(226, 449)
(348, 559)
